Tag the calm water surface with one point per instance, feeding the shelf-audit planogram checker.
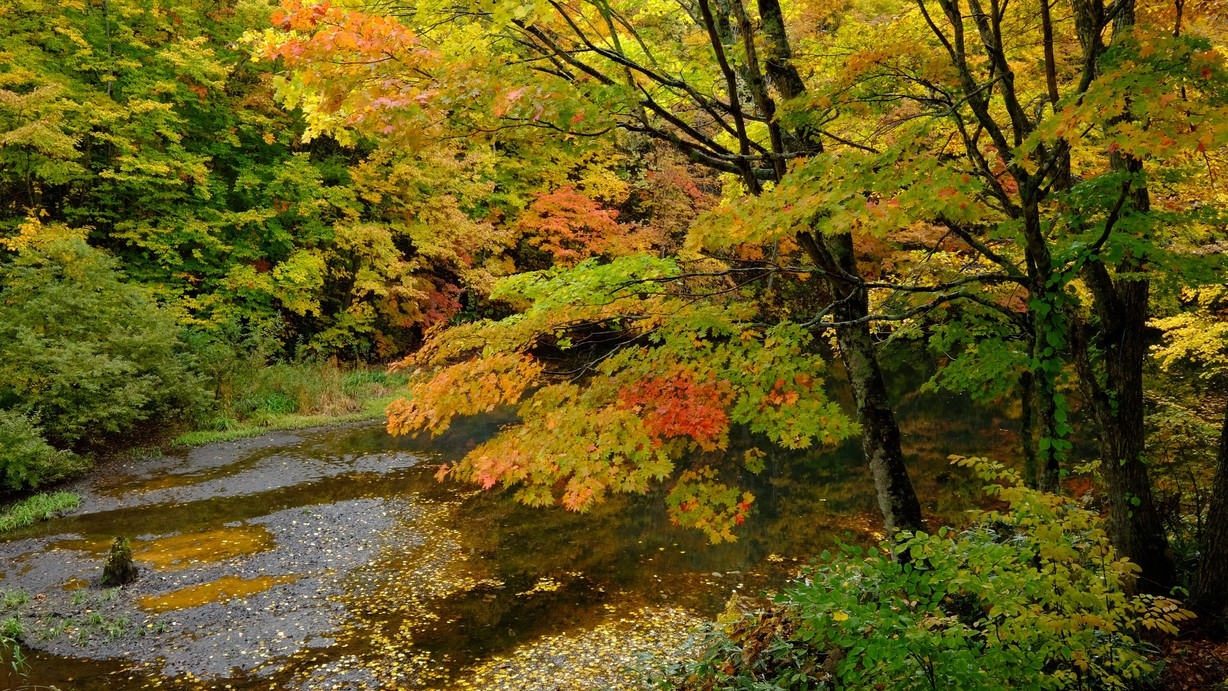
(332, 558)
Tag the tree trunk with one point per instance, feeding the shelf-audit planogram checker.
(1027, 426)
(1209, 594)
(880, 433)
(1046, 350)
(1135, 525)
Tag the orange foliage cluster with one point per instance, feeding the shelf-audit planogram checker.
(328, 27)
(465, 389)
(672, 193)
(678, 405)
(571, 226)
(332, 48)
(784, 395)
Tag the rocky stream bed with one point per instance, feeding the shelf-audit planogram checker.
(331, 559)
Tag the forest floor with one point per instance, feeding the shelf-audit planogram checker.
(1194, 665)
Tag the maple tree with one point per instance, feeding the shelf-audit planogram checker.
(686, 373)
(624, 84)
(1046, 226)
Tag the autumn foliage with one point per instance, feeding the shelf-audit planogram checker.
(647, 230)
(330, 47)
(573, 227)
(674, 404)
(672, 379)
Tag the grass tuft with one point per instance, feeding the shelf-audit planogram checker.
(297, 396)
(39, 507)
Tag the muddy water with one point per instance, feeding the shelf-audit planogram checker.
(332, 559)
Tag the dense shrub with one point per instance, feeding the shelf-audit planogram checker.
(1032, 597)
(27, 461)
(85, 352)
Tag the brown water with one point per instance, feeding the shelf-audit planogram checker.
(332, 559)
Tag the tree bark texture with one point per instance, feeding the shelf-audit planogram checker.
(880, 432)
(1117, 406)
(1209, 594)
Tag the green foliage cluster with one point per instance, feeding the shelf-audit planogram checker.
(11, 630)
(87, 353)
(259, 394)
(27, 461)
(1029, 597)
(92, 355)
(148, 124)
(177, 244)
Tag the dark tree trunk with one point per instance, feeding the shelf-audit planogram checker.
(1117, 407)
(1122, 308)
(1045, 352)
(1027, 426)
(880, 433)
(1137, 528)
(1209, 594)
(778, 53)
(1050, 466)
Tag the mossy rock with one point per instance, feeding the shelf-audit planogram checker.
(119, 569)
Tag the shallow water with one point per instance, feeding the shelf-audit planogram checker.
(332, 559)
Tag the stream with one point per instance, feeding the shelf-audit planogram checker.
(332, 559)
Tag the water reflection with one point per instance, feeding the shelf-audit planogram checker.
(444, 581)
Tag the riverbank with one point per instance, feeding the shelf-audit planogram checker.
(287, 396)
(371, 409)
(331, 557)
(253, 402)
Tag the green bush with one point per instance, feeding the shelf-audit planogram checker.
(85, 352)
(1033, 597)
(27, 461)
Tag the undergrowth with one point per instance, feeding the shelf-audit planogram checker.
(1030, 597)
(293, 396)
